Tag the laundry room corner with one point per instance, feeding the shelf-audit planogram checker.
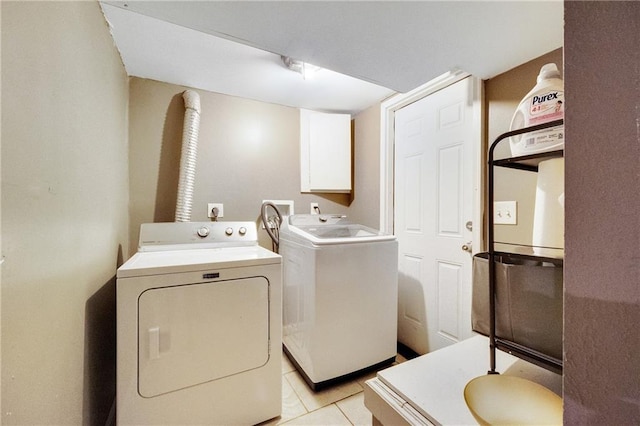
(248, 151)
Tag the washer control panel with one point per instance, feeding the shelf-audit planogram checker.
(190, 235)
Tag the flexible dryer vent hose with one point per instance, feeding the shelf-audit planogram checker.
(189, 154)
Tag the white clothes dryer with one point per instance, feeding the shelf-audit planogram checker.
(199, 327)
(340, 297)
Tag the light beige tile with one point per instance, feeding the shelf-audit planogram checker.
(292, 406)
(329, 415)
(287, 366)
(363, 378)
(370, 375)
(314, 400)
(400, 359)
(353, 407)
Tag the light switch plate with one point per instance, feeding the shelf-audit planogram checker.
(505, 213)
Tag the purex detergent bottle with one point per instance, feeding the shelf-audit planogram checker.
(544, 103)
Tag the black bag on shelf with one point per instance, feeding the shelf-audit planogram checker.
(528, 302)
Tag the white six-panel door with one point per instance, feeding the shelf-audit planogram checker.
(434, 195)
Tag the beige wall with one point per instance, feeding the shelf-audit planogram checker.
(602, 263)
(248, 151)
(503, 93)
(64, 211)
(365, 207)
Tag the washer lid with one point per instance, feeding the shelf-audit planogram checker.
(331, 229)
(176, 261)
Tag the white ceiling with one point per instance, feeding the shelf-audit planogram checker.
(374, 47)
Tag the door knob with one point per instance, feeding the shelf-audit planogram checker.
(467, 247)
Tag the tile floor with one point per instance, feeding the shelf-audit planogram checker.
(342, 404)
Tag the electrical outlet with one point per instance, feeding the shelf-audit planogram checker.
(211, 206)
(505, 213)
(314, 208)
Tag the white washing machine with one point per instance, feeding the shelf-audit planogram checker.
(340, 297)
(199, 327)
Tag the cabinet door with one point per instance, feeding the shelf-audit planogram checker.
(325, 148)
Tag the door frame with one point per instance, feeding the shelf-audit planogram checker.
(388, 109)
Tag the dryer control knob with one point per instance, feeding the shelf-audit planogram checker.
(228, 231)
(203, 232)
(242, 230)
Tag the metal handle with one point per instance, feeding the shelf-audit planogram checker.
(467, 247)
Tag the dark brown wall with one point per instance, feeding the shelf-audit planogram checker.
(602, 261)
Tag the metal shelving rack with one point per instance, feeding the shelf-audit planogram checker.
(498, 249)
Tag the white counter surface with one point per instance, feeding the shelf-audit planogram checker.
(432, 385)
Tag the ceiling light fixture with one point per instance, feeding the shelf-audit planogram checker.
(307, 70)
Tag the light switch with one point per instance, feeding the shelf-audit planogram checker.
(505, 212)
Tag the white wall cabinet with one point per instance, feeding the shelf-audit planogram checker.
(325, 152)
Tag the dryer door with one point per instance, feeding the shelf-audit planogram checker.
(193, 334)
